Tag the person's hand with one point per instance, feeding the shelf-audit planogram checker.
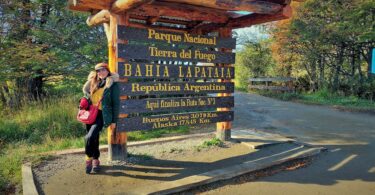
(113, 126)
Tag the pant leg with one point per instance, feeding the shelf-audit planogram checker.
(96, 152)
(92, 137)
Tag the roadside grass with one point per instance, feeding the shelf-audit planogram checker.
(241, 88)
(324, 97)
(214, 142)
(40, 127)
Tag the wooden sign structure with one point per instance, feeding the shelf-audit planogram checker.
(178, 30)
(155, 45)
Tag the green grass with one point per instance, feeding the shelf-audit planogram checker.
(40, 127)
(214, 142)
(241, 88)
(324, 97)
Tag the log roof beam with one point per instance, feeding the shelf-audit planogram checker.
(246, 21)
(98, 18)
(126, 5)
(254, 19)
(195, 15)
(254, 6)
(188, 12)
(89, 5)
(160, 19)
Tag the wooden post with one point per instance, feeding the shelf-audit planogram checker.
(223, 129)
(117, 149)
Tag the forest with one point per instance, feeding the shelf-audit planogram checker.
(326, 45)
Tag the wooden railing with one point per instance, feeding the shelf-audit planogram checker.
(273, 84)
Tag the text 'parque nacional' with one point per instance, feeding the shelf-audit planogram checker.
(161, 36)
(185, 38)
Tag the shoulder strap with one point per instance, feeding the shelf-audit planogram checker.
(100, 101)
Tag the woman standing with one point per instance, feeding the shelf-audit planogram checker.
(102, 87)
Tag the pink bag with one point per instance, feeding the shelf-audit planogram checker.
(88, 116)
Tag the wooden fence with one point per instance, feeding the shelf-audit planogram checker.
(273, 84)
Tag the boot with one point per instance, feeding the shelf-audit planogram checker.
(96, 165)
(88, 165)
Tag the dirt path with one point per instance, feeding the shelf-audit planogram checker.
(348, 167)
(147, 165)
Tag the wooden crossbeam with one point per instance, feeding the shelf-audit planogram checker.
(125, 5)
(254, 6)
(88, 5)
(104, 17)
(246, 21)
(164, 20)
(254, 19)
(138, 25)
(99, 18)
(189, 12)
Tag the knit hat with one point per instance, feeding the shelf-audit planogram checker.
(101, 66)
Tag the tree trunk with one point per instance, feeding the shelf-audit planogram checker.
(336, 76)
(25, 19)
(313, 80)
(45, 13)
(361, 76)
(2, 96)
(35, 88)
(321, 84)
(352, 71)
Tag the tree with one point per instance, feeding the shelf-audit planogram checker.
(254, 60)
(329, 41)
(42, 41)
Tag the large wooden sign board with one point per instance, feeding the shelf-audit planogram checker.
(154, 46)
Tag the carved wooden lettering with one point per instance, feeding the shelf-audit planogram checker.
(172, 88)
(152, 105)
(163, 53)
(159, 36)
(172, 120)
(140, 70)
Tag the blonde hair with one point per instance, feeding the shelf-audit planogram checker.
(94, 80)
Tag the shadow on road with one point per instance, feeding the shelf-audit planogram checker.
(170, 170)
